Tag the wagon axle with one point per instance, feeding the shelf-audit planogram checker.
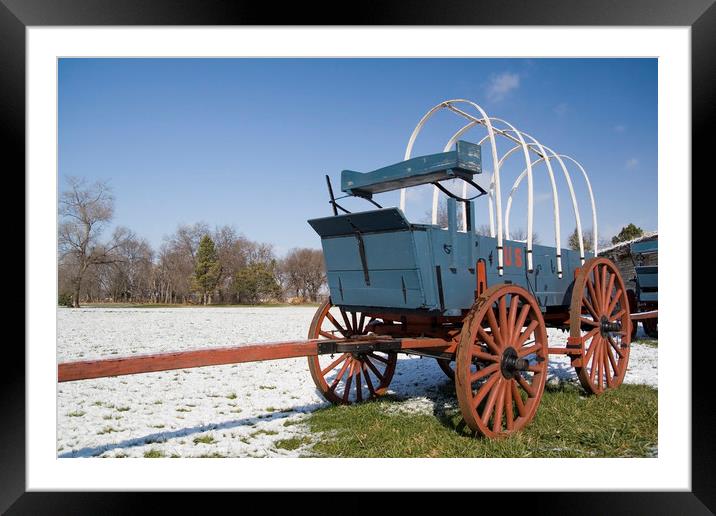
(606, 327)
(511, 363)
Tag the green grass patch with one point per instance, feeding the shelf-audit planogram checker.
(653, 343)
(569, 423)
(259, 432)
(292, 444)
(76, 413)
(107, 430)
(214, 455)
(204, 439)
(122, 409)
(231, 396)
(153, 454)
(182, 409)
(265, 387)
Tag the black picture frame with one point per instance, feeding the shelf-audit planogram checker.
(17, 15)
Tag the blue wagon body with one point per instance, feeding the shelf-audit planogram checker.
(426, 268)
(647, 276)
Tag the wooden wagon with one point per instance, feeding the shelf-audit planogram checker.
(480, 305)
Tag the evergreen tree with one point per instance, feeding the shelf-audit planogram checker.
(587, 239)
(256, 282)
(627, 233)
(207, 270)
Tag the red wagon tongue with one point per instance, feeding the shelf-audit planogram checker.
(137, 364)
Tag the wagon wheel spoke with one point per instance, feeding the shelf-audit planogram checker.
(592, 347)
(495, 328)
(378, 357)
(478, 352)
(511, 329)
(525, 335)
(377, 373)
(354, 322)
(603, 285)
(336, 324)
(485, 371)
(347, 388)
(359, 385)
(346, 320)
(591, 354)
(614, 301)
(334, 364)
(361, 323)
(590, 322)
(502, 314)
(368, 381)
(518, 399)
(499, 407)
(612, 360)
(483, 390)
(487, 339)
(597, 283)
(524, 312)
(527, 350)
(617, 315)
(525, 385)
(615, 346)
(509, 414)
(593, 297)
(591, 309)
(610, 287)
(606, 361)
(338, 377)
(491, 400)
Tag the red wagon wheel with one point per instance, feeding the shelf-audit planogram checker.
(599, 320)
(501, 364)
(348, 377)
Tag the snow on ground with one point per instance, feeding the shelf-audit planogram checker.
(243, 410)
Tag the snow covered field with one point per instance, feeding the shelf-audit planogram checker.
(243, 410)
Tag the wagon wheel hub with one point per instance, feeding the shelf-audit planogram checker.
(510, 363)
(606, 328)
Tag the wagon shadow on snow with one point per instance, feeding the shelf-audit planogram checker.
(162, 437)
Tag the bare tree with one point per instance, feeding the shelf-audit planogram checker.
(84, 209)
(304, 272)
(520, 235)
(131, 275)
(483, 230)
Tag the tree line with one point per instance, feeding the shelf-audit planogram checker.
(194, 265)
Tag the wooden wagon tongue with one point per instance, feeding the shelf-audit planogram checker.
(100, 368)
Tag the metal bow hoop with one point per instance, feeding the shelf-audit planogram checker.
(544, 154)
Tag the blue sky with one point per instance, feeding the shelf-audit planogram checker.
(246, 142)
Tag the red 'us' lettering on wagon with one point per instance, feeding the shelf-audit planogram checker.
(508, 255)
